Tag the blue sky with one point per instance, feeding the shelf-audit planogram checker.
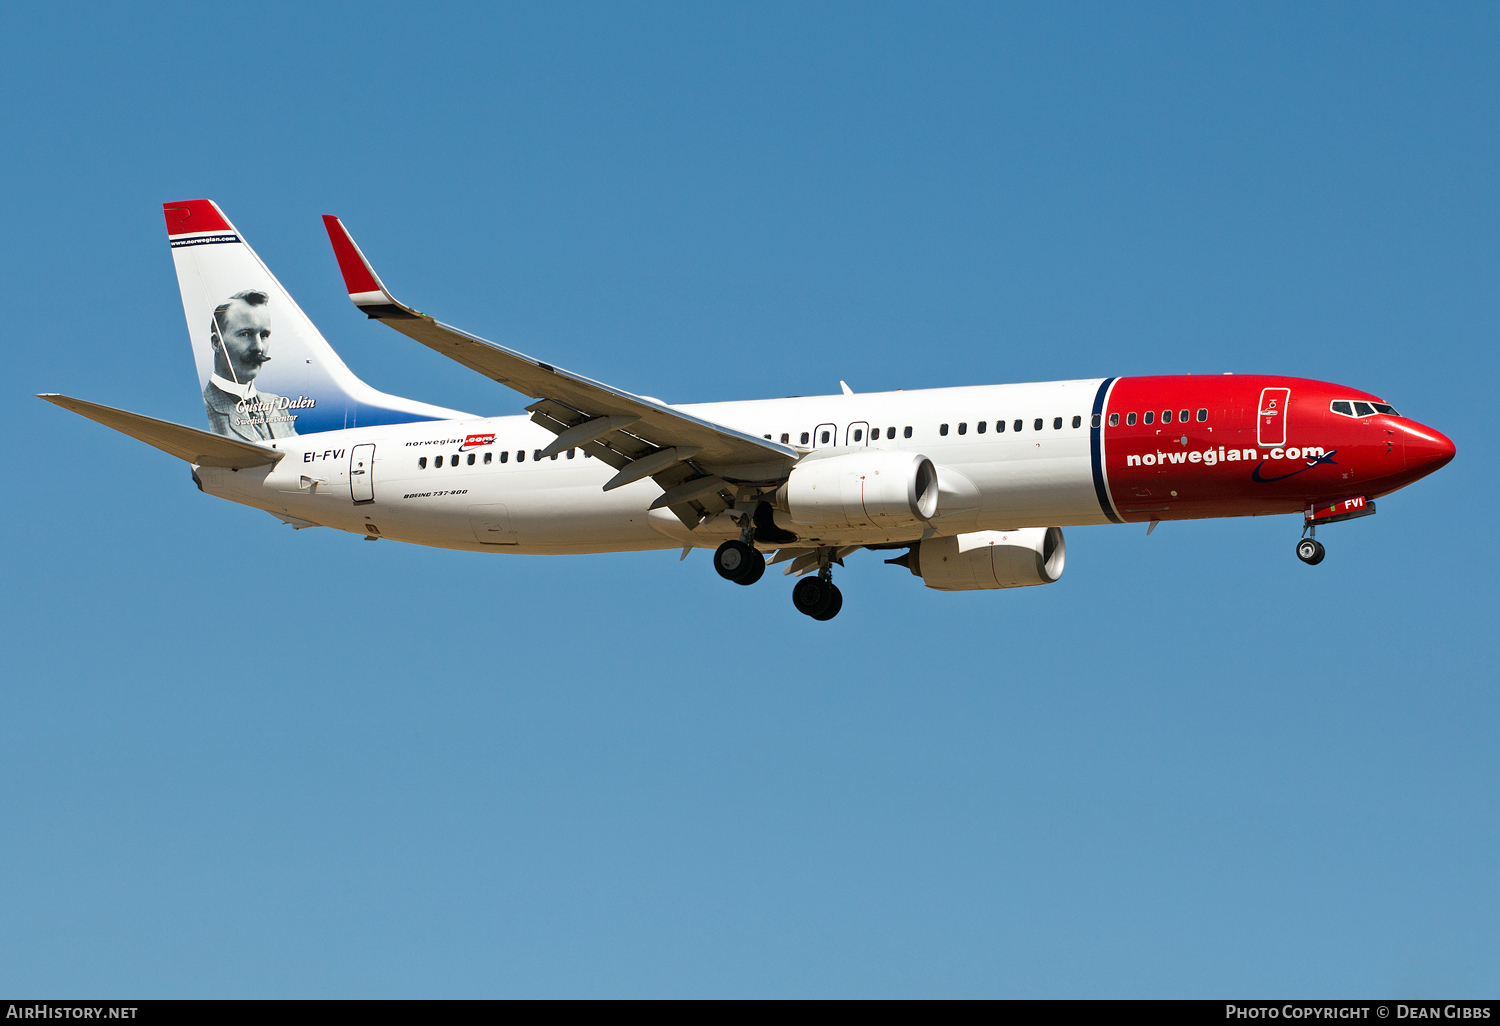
(242, 761)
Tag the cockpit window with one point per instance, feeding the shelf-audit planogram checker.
(1360, 408)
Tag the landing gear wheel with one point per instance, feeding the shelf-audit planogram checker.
(1310, 551)
(756, 569)
(834, 605)
(736, 561)
(813, 596)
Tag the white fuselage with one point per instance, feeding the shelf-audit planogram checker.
(994, 480)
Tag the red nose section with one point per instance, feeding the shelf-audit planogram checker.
(1427, 450)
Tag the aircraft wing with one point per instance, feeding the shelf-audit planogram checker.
(201, 447)
(696, 462)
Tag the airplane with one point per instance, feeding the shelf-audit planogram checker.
(974, 483)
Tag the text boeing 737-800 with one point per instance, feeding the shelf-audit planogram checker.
(975, 482)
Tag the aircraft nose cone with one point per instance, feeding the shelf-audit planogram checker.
(1427, 450)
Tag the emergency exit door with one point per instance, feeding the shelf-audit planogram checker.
(1270, 422)
(361, 473)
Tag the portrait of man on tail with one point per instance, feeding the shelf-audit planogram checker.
(240, 335)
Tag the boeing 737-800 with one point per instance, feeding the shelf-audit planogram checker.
(975, 483)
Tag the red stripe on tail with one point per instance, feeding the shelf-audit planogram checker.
(190, 216)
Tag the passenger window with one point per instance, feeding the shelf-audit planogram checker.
(489, 457)
(785, 437)
(1182, 416)
(890, 432)
(981, 426)
(1078, 422)
(422, 463)
(1056, 423)
(1017, 425)
(859, 435)
(942, 429)
(1202, 415)
(824, 437)
(804, 438)
(504, 455)
(1114, 420)
(437, 461)
(471, 459)
(554, 455)
(453, 460)
(520, 455)
(1342, 406)
(1166, 417)
(999, 426)
(768, 438)
(1149, 418)
(1363, 409)
(571, 452)
(1037, 426)
(963, 429)
(1130, 420)
(907, 433)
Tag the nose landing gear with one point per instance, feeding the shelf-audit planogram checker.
(1310, 551)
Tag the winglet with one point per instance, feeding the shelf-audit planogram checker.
(364, 285)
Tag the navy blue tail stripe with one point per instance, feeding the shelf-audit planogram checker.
(1096, 451)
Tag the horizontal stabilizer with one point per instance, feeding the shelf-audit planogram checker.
(201, 447)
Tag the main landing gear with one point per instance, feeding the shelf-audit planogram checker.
(818, 598)
(741, 562)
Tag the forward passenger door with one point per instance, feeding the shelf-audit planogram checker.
(1270, 422)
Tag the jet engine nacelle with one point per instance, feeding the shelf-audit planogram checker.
(989, 559)
(864, 488)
